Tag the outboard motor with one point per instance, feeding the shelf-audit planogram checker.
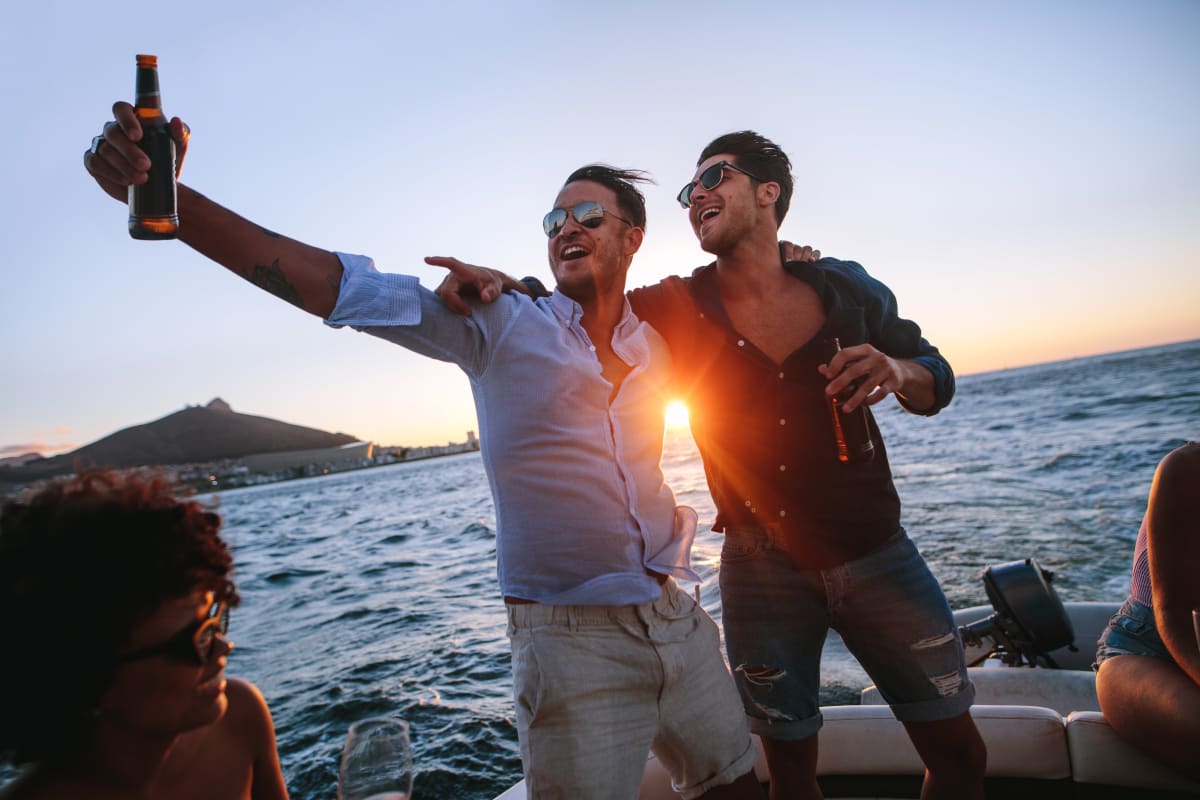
(1030, 620)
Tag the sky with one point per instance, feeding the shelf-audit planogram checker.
(1025, 176)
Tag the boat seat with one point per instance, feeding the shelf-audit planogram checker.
(865, 752)
(1063, 690)
(1023, 742)
(1101, 761)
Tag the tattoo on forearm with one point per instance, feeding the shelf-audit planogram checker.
(273, 280)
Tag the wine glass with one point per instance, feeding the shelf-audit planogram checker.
(376, 761)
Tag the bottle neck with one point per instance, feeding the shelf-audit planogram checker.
(146, 89)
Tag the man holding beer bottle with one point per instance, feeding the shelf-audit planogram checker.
(590, 540)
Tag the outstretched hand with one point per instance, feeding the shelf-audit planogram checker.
(466, 281)
(116, 162)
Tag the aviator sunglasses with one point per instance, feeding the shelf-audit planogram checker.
(711, 179)
(192, 644)
(589, 214)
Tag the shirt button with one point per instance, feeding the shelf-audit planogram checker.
(592, 347)
(781, 376)
(783, 513)
(754, 511)
(783, 467)
(741, 342)
(783, 422)
(747, 504)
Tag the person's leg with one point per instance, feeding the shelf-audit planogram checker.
(702, 739)
(586, 710)
(1155, 707)
(954, 754)
(894, 617)
(775, 624)
(793, 766)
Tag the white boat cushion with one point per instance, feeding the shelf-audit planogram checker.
(1022, 742)
(1064, 690)
(1099, 756)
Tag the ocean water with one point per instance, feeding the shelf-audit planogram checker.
(374, 592)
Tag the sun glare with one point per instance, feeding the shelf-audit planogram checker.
(677, 415)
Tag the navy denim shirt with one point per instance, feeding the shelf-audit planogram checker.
(764, 429)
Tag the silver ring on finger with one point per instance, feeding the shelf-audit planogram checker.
(96, 142)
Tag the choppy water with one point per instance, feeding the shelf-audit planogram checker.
(374, 592)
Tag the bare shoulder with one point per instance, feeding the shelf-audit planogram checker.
(1181, 466)
(248, 711)
(1175, 496)
(240, 691)
(249, 720)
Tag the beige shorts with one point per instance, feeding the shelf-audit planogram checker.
(598, 687)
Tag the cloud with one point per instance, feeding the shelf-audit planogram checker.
(42, 448)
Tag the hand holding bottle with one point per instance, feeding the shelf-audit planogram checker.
(116, 161)
(851, 428)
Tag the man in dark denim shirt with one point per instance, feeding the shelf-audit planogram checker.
(810, 542)
(763, 426)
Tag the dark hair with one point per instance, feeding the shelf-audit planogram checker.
(83, 561)
(758, 154)
(622, 181)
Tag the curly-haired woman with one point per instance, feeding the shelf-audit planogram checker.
(116, 598)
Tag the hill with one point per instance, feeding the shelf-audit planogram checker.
(196, 434)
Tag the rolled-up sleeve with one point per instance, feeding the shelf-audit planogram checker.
(901, 338)
(369, 298)
(398, 309)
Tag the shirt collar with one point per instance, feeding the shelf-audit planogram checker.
(570, 312)
(708, 296)
(565, 309)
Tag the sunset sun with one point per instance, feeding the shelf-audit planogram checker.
(677, 415)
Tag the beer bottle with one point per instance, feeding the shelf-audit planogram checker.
(152, 209)
(851, 430)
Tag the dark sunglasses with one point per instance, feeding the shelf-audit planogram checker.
(192, 644)
(710, 179)
(589, 214)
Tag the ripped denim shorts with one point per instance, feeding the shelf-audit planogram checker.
(887, 606)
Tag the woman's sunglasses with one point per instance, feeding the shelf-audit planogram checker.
(589, 214)
(193, 644)
(710, 179)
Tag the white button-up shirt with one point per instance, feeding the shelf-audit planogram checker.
(582, 510)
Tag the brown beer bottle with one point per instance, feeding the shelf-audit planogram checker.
(851, 430)
(152, 210)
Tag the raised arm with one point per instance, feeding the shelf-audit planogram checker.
(305, 276)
